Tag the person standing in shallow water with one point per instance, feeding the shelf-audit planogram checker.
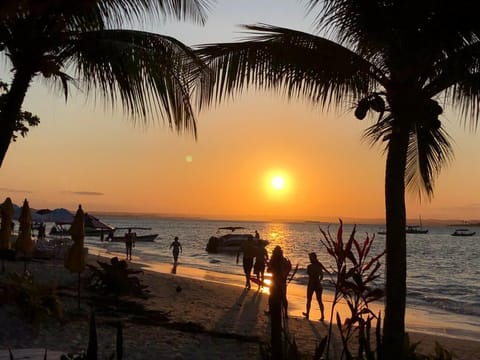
(249, 250)
(315, 276)
(176, 249)
(129, 243)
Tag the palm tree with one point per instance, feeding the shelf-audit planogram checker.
(394, 59)
(81, 43)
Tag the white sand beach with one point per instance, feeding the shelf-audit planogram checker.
(210, 316)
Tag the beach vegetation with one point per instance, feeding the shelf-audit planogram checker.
(33, 301)
(86, 45)
(354, 278)
(401, 62)
(116, 279)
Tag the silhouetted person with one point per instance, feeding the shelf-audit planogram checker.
(176, 249)
(261, 257)
(41, 231)
(248, 250)
(315, 276)
(129, 243)
(257, 235)
(279, 267)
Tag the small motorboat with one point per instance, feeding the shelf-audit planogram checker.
(231, 243)
(463, 232)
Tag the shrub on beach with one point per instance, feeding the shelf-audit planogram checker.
(34, 301)
(116, 279)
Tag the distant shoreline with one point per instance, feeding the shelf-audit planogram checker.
(326, 220)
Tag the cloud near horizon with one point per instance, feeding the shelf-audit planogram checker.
(88, 193)
(15, 190)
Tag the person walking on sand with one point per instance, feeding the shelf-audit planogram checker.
(279, 267)
(176, 249)
(129, 243)
(315, 276)
(261, 257)
(248, 250)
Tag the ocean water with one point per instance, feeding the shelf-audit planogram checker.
(443, 271)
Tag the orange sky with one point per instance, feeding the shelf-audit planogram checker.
(82, 154)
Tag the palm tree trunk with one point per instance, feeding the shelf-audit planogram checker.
(12, 107)
(396, 263)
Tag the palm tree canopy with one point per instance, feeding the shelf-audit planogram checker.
(390, 57)
(149, 74)
(110, 11)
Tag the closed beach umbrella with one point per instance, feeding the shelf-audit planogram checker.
(75, 260)
(24, 241)
(6, 213)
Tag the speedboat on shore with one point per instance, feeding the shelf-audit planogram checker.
(463, 232)
(231, 243)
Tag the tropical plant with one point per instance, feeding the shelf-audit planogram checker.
(397, 58)
(81, 43)
(354, 279)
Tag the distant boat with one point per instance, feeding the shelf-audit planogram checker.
(410, 229)
(415, 229)
(138, 238)
(463, 232)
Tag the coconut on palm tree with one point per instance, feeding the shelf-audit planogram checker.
(83, 44)
(401, 61)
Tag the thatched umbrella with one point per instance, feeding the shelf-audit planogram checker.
(6, 214)
(24, 241)
(75, 260)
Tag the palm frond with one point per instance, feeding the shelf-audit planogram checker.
(300, 64)
(150, 75)
(184, 10)
(429, 150)
(112, 12)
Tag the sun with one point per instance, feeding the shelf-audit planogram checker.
(278, 182)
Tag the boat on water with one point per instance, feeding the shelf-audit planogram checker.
(231, 242)
(410, 229)
(463, 232)
(416, 229)
(138, 238)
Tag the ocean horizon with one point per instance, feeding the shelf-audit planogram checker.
(324, 220)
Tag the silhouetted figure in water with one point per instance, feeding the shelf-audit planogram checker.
(248, 249)
(315, 276)
(177, 248)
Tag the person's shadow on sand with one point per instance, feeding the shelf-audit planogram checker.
(242, 317)
(174, 269)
